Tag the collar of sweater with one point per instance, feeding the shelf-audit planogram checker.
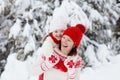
(58, 52)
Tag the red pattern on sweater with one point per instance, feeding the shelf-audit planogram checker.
(41, 77)
(60, 65)
(70, 63)
(52, 58)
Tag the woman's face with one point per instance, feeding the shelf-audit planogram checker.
(58, 34)
(66, 44)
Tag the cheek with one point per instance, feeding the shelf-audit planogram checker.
(62, 40)
(61, 33)
(54, 34)
(71, 45)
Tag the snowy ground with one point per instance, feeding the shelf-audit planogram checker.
(108, 71)
(17, 70)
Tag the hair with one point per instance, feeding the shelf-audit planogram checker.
(73, 52)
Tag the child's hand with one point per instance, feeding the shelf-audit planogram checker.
(50, 61)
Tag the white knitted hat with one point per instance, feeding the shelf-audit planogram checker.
(59, 20)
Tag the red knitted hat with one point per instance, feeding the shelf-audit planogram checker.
(75, 33)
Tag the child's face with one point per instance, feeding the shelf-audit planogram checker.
(66, 44)
(58, 34)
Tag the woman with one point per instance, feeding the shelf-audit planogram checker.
(63, 62)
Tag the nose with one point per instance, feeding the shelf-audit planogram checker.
(59, 34)
(65, 39)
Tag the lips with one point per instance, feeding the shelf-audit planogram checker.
(65, 46)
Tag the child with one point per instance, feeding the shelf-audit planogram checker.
(52, 40)
(57, 26)
(64, 62)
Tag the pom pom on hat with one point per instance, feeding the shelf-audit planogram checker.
(75, 33)
(81, 27)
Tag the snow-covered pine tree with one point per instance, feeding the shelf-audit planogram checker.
(116, 32)
(33, 21)
(116, 38)
(22, 24)
(5, 23)
(103, 16)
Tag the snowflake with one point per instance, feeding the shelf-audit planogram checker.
(70, 63)
(52, 58)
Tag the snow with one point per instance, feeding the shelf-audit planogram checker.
(15, 70)
(15, 29)
(27, 30)
(18, 70)
(109, 71)
(103, 53)
(20, 3)
(60, 19)
(76, 14)
(90, 54)
(30, 46)
(36, 27)
(117, 7)
(96, 16)
(2, 5)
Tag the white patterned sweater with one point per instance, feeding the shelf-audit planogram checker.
(56, 66)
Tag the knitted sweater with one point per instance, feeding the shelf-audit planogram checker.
(59, 67)
(48, 46)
